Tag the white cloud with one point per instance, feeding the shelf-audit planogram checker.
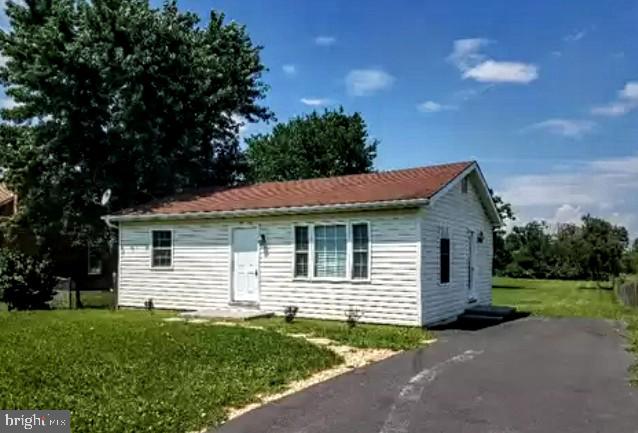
(502, 72)
(568, 214)
(473, 64)
(603, 187)
(364, 82)
(626, 101)
(566, 127)
(465, 53)
(575, 36)
(325, 41)
(289, 70)
(433, 107)
(315, 102)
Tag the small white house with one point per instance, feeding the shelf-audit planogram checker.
(409, 247)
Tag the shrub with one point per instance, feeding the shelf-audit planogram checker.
(26, 282)
(352, 316)
(290, 312)
(627, 289)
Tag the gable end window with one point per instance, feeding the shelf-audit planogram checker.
(162, 249)
(465, 185)
(444, 248)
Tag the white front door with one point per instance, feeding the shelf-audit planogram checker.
(471, 292)
(245, 256)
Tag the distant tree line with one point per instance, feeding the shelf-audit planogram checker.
(594, 250)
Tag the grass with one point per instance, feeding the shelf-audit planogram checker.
(556, 298)
(363, 335)
(131, 371)
(567, 299)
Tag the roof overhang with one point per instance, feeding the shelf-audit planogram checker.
(293, 210)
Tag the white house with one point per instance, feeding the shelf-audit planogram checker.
(409, 247)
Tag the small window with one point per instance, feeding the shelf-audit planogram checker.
(464, 185)
(330, 251)
(360, 251)
(445, 260)
(94, 262)
(162, 254)
(301, 251)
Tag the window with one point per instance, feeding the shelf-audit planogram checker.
(330, 251)
(162, 251)
(445, 260)
(464, 185)
(337, 251)
(94, 262)
(360, 251)
(302, 251)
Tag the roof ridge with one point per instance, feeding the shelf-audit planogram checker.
(345, 176)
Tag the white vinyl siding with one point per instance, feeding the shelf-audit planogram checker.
(458, 213)
(199, 277)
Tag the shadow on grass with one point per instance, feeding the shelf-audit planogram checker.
(510, 287)
(475, 324)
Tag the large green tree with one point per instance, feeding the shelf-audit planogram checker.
(332, 143)
(115, 94)
(501, 256)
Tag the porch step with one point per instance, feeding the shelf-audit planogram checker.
(490, 311)
(222, 313)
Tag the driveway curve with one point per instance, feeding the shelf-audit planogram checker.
(532, 375)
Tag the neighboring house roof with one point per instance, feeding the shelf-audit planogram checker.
(6, 196)
(397, 188)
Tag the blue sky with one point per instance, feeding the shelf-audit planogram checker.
(544, 94)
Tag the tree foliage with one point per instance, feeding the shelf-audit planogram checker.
(501, 255)
(113, 94)
(26, 282)
(595, 249)
(315, 145)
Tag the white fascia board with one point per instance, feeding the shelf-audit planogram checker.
(389, 204)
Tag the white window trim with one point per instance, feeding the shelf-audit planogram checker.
(88, 264)
(349, 252)
(161, 268)
(310, 267)
(367, 223)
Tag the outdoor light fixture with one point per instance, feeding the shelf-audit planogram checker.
(261, 240)
(480, 237)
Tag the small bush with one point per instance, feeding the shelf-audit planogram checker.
(352, 316)
(26, 282)
(290, 312)
(627, 290)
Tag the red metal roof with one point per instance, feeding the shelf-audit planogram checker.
(413, 183)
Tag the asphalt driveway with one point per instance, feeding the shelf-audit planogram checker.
(530, 375)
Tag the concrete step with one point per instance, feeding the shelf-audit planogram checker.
(491, 311)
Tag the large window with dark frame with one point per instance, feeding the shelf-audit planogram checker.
(444, 249)
(302, 251)
(162, 249)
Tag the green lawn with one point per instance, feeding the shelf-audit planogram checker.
(363, 335)
(130, 371)
(559, 298)
(567, 299)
